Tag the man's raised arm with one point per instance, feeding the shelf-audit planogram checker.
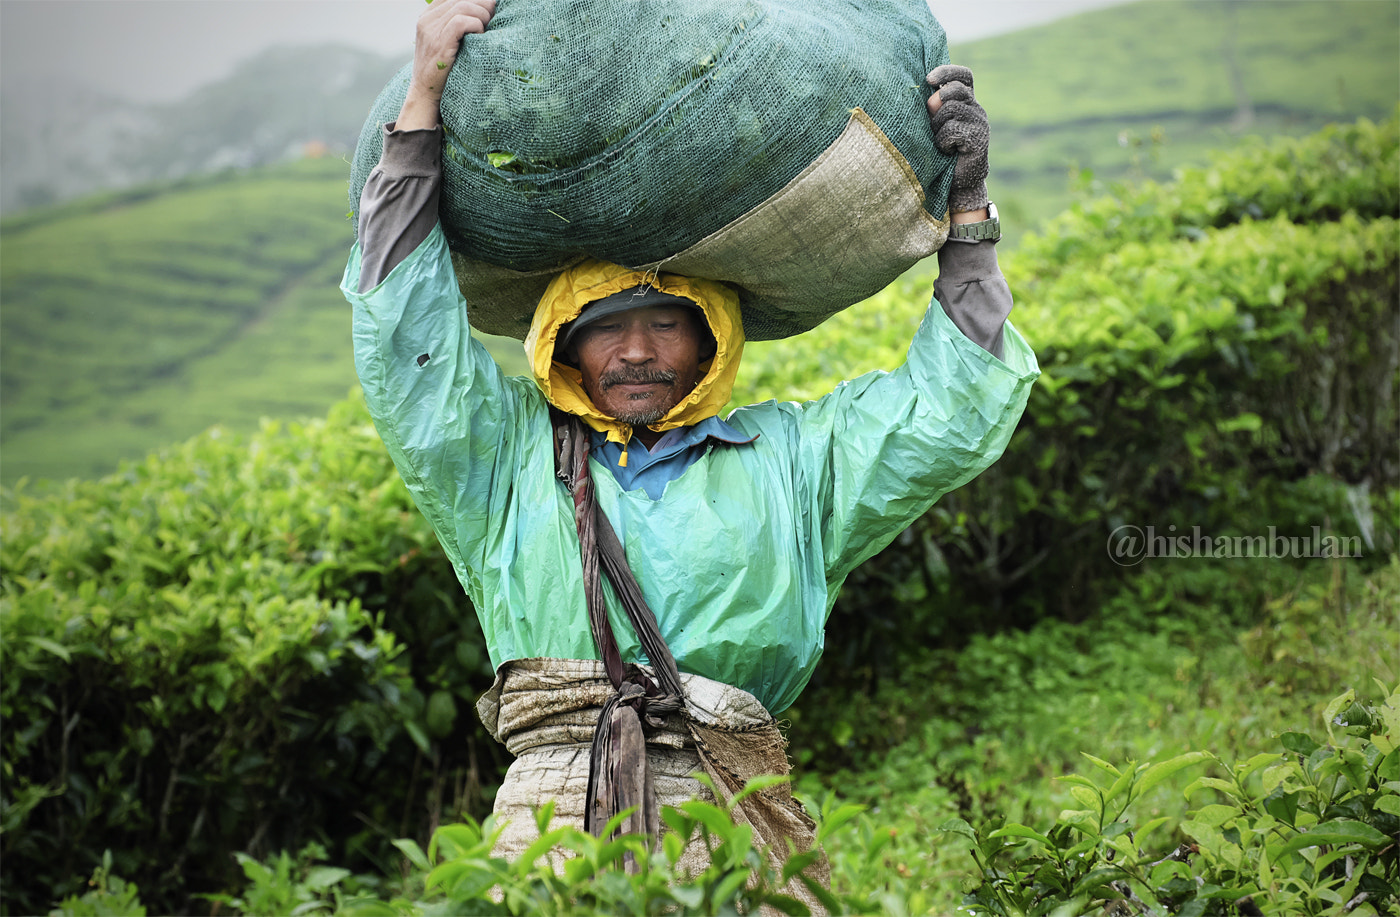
(893, 443)
(398, 206)
(969, 286)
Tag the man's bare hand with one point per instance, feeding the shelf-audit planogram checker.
(441, 28)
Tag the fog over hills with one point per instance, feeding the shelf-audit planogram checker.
(62, 141)
(56, 151)
(94, 92)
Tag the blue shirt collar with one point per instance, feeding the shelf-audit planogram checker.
(674, 452)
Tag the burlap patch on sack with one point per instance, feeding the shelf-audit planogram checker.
(779, 255)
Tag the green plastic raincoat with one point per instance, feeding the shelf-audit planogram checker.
(742, 556)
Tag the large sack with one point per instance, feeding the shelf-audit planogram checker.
(781, 146)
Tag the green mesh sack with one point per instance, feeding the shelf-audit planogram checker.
(781, 146)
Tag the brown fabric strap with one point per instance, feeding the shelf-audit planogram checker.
(618, 775)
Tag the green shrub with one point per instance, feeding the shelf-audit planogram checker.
(1199, 639)
(1307, 829)
(1163, 667)
(107, 896)
(566, 871)
(1185, 381)
(230, 647)
(1345, 168)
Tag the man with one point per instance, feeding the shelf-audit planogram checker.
(725, 541)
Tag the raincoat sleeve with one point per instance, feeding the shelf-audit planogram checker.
(443, 408)
(884, 447)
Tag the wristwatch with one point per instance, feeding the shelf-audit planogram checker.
(988, 230)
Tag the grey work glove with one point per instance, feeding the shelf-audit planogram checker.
(960, 128)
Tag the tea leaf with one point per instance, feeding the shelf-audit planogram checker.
(412, 852)
(1337, 831)
(1022, 831)
(1161, 771)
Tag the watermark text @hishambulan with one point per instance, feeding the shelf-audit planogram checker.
(1132, 544)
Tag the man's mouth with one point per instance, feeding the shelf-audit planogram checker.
(637, 381)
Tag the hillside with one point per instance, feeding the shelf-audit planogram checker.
(140, 317)
(76, 139)
(1141, 89)
(146, 316)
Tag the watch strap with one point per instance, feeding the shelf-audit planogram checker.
(988, 230)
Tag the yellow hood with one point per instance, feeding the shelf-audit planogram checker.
(589, 281)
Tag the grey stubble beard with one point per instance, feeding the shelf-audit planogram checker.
(641, 417)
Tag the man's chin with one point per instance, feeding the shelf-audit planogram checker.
(640, 419)
(629, 411)
(638, 416)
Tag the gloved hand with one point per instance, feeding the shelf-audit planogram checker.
(960, 128)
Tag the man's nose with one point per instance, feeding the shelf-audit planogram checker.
(636, 345)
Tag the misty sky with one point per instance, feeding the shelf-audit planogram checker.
(161, 50)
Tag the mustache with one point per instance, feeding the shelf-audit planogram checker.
(637, 377)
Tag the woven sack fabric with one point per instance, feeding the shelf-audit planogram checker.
(544, 711)
(635, 131)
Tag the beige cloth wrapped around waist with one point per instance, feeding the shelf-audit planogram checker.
(544, 712)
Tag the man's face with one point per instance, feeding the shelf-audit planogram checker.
(639, 364)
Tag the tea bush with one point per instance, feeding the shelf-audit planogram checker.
(567, 871)
(985, 732)
(229, 647)
(1309, 828)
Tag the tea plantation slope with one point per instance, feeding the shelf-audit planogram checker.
(138, 318)
(242, 646)
(143, 317)
(104, 308)
(1140, 89)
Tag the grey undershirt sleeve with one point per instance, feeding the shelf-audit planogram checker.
(399, 204)
(973, 292)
